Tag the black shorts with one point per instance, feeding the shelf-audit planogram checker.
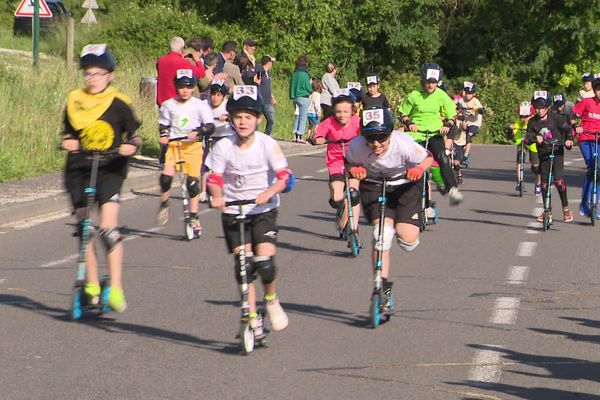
(259, 228)
(459, 152)
(108, 185)
(336, 178)
(403, 202)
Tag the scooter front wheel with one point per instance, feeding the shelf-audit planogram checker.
(375, 310)
(354, 244)
(189, 231)
(593, 216)
(76, 310)
(247, 338)
(521, 189)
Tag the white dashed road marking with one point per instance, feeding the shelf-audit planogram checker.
(517, 275)
(526, 249)
(505, 310)
(533, 228)
(321, 170)
(487, 367)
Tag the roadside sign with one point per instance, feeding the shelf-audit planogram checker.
(25, 9)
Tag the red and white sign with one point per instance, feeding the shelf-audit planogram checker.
(25, 9)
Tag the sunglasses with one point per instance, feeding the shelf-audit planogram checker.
(382, 137)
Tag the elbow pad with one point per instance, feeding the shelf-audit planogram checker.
(215, 180)
(288, 177)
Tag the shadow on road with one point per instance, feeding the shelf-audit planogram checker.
(558, 368)
(110, 325)
(313, 311)
(479, 221)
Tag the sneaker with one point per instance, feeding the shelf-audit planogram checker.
(92, 291)
(431, 213)
(197, 227)
(538, 190)
(567, 214)
(257, 328)
(203, 197)
(277, 317)
(541, 217)
(459, 179)
(116, 301)
(387, 292)
(456, 197)
(163, 214)
(518, 187)
(466, 161)
(584, 210)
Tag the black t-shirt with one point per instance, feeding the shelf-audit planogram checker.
(555, 126)
(382, 101)
(121, 119)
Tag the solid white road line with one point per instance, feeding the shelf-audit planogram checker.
(306, 177)
(526, 249)
(321, 170)
(31, 222)
(517, 275)
(505, 310)
(487, 368)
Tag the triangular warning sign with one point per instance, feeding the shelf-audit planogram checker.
(25, 9)
(89, 17)
(90, 4)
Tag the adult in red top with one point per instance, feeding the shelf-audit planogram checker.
(588, 109)
(168, 65)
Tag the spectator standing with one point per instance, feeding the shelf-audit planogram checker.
(300, 89)
(228, 51)
(266, 91)
(330, 86)
(249, 49)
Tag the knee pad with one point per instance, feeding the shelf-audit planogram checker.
(535, 169)
(265, 267)
(165, 182)
(560, 185)
(111, 237)
(354, 197)
(408, 246)
(79, 229)
(388, 237)
(335, 204)
(193, 186)
(249, 268)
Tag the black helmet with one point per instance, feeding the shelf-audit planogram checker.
(245, 97)
(541, 99)
(184, 78)
(587, 77)
(469, 87)
(559, 99)
(358, 93)
(431, 72)
(97, 55)
(343, 95)
(596, 83)
(376, 121)
(219, 85)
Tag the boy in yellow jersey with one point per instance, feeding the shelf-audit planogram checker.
(516, 131)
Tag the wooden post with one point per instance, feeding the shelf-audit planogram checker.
(70, 40)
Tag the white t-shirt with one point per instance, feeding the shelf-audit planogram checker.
(222, 128)
(184, 118)
(403, 153)
(247, 172)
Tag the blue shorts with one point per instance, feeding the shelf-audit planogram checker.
(313, 119)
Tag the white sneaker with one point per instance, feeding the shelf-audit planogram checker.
(202, 197)
(257, 328)
(455, 196)
(277, 317)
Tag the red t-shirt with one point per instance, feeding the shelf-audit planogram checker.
(333, 131)
(167, 67)
(589, 110)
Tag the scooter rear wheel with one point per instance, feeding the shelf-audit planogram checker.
(593, 216)
(375, 310)
(76, 310)
(189, 231)
(247, 338)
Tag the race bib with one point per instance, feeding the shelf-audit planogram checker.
(245, 91)
(558, 97)
(468, 85)
(354, 85)
(95, 49)
(432, 74)
(372, 80)
(372, 116)
(525, 108)
(540, 94)
(218, 82)
(187, 73)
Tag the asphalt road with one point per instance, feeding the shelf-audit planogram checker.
(489, 307)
